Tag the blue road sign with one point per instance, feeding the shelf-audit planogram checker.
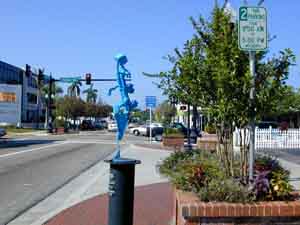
(150, 101)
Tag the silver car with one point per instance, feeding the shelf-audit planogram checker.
(112, 126)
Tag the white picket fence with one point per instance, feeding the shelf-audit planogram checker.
(271, 139)
(277, 139)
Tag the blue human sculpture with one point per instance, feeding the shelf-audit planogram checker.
(121, 111)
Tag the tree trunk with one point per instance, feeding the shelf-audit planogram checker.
(225, 148)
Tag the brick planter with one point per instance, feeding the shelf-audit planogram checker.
(60, 130)
(208, 142)
(191, 211)
(175, 142)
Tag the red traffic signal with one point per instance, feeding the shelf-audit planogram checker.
(88, 78)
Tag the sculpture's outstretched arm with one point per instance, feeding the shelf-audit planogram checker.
(112, 89)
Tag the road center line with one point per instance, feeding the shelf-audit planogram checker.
(34, 149)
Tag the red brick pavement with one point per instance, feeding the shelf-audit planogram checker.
(153, 205)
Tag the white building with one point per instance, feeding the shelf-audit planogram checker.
(19, 97)
(182, 116)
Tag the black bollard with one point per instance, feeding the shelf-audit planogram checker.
(121, 191)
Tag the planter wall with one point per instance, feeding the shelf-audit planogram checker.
(60, 130)
(191, 211)
(208, 142)
(173, 142)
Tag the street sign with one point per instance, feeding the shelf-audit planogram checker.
(69, 79)
(150, 101)
(253, 28)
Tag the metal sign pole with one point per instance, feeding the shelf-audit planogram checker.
(253, 37)
(150, 129)
(252, 116)
(189, 128)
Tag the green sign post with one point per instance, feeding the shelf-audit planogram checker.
(252, 37)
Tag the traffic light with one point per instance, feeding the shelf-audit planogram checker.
(27, 70)
(88, 78)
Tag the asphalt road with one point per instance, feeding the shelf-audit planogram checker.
(31, 167)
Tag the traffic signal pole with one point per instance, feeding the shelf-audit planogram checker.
(50, 125)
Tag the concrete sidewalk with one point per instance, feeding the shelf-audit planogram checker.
(93, 183)
(294, 172)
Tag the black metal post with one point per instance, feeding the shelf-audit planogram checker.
(189, 128)
(50, 125)
(121, 191)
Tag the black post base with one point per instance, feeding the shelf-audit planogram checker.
(121, 191)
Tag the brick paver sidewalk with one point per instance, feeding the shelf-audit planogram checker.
(153, 205)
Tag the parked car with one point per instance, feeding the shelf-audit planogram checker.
(112, 126)
(132, 125)
(267, 124)
(2, 132)
(100, 124)
(194, 133)
(104, 124)
(144, 130)
(87, 125)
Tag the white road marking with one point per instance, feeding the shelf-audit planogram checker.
(32, 150)
(108, 142)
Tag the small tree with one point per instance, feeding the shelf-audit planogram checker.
(70, 108)
(164, 113)
(213, 73)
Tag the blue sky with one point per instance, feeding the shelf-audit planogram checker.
(71, 38)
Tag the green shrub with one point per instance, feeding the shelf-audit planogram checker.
(226, 190)
(59, 123)
(272, 180)
(172, 132)
(170, 164)
(201, 172)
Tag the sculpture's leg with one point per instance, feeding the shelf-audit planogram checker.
(118, 150)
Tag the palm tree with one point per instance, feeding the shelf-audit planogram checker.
(74, 89)
(56, 90)
(91, 94)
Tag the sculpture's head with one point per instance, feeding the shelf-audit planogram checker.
(121, 58)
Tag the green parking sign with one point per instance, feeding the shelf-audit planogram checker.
(253, 28)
